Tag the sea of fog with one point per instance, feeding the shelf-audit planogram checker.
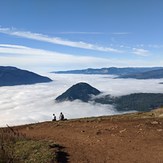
(35, 103)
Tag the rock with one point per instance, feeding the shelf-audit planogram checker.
(159, 130)
(154, 123)
(122, 131)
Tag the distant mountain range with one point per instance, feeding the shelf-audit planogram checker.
(80, 91)
(110, 70)
(10, 76)
(154, 74)
(131, 102)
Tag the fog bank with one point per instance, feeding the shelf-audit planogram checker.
(35, 103)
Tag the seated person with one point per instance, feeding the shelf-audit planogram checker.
(61, 117)
(54, 117)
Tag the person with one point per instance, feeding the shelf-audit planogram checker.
(61, 117)
(54, 117)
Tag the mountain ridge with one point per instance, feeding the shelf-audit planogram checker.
(154, 74)
(109, 71)
(11, 76)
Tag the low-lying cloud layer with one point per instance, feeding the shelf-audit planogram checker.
(35, 103)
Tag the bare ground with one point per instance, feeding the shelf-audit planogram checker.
(133, 138)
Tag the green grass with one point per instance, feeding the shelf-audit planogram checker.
(17, 148)
(29, 151)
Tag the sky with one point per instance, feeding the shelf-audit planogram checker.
(53, 35)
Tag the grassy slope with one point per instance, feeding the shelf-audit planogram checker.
(16, 147)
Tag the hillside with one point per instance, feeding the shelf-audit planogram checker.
(136, 101)
(80, 91)
(110, 70)
(154, 74)
(127, 138)
(10, 76)
(132, 102)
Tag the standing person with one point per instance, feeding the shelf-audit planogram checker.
(61, 117)
(54, 117)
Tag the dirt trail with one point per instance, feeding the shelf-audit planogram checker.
(104, 140)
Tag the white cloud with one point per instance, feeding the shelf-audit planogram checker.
(21, 55)
(83, 33)
(141, 52)
(57, 40)
(33, 103)
(155, 46)
(13, 46)
(39, 59)
(95, 33)
(121, 33)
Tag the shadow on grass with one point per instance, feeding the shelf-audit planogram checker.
(61, 155)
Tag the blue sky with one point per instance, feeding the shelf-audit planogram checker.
(54, 35)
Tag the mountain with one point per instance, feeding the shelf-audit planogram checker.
(80, 91)
(132, 102)
(136, 101)
(154, 74)
(10, 76)
(110, 70)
